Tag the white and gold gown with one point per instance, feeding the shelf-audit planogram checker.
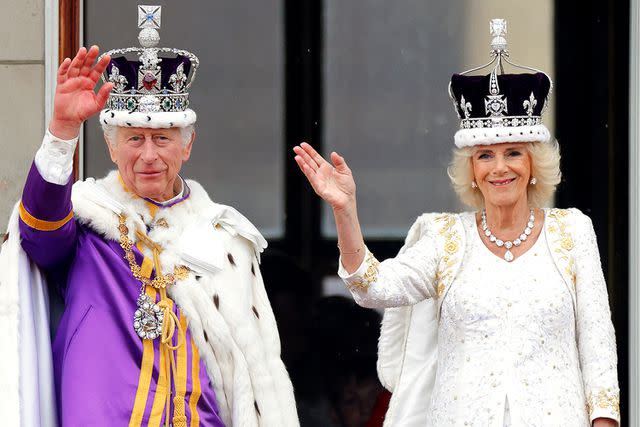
(516, 344)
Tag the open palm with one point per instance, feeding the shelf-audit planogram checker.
(334, 184)
(75, 100)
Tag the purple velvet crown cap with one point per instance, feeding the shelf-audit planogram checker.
(129, 69)
(516, 89)
(500, 108)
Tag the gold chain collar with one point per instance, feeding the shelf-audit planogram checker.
(168, 319)
(160, 281)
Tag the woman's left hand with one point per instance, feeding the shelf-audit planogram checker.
(604, 422)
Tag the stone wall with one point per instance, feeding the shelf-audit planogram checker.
(22, 83)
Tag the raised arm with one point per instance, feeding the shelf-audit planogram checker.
(47, 228)
(335, 184)
(407, 279)
(75, 100)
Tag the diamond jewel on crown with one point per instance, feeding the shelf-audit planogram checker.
(149, 16)
(530, 104)
(178, 80)
(152, 92)
(498, 30)
(119, 81)
(149, 104)
(495, 104)
(149, 21)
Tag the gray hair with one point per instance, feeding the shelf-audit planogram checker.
(111, 133)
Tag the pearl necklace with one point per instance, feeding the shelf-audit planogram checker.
(508, 255)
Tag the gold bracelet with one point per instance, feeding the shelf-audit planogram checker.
(357, 251)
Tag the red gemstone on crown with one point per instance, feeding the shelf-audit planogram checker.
(149, 81)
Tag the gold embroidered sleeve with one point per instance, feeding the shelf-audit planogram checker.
(404, 280)
(595, 335)
(370, 275)
(604, 403)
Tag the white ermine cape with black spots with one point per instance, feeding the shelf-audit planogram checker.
(224, 298)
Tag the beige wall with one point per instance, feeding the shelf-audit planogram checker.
(22, 87)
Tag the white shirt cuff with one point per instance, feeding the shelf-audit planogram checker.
(54, 159)
(344, 275)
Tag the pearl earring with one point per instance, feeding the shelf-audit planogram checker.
(473, 184)
(533, 181)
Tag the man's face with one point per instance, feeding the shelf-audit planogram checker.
(149, 160)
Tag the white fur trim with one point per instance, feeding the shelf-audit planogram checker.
(9, 326)
(241, 350)
(27, 396)
(163, 119)
(501, 135)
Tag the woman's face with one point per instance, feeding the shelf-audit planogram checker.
(502, 172)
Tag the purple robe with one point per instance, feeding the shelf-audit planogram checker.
(105, 375)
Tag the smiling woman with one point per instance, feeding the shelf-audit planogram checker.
(545, 168)
(495, 317)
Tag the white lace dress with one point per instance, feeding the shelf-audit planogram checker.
(520, 316)
(511, 350)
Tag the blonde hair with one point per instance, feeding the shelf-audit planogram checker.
(545, 167)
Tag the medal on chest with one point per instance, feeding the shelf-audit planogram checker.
(149, 317)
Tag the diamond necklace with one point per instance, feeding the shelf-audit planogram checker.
(508, 255)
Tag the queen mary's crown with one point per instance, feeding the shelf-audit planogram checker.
(150, 84)
(500, 107)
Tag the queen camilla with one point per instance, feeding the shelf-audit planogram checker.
(498, 316)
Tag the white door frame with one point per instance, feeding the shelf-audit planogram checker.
(51, 60)
(51, 45)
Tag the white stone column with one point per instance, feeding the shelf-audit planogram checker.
(22, 107)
